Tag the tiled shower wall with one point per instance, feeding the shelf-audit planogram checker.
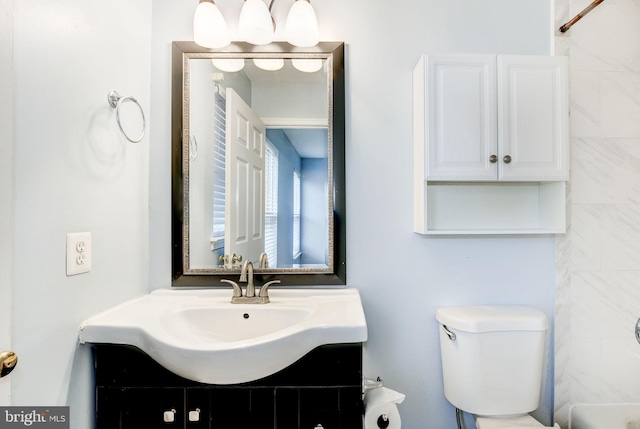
(598, 260)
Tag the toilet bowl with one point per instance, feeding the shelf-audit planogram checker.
(492, 359)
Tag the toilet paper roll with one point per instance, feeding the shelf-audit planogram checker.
(381, 408)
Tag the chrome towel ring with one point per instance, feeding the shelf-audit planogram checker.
(115, 100)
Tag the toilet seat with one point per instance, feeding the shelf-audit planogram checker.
(517, 422)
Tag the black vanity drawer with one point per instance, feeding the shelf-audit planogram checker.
(329, 365)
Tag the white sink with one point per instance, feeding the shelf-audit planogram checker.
(201, 336)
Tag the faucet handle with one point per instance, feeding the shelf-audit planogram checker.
(264, 292)
(237, 290)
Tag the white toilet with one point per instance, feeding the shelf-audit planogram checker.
(492, 362)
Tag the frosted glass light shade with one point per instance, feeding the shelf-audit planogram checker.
(269, 64)
(228, 64)
(255, 24)
(209, 27)
(310, 65)
(302, 25)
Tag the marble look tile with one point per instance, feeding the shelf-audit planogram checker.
(589, 317)
(586, 237)
(608, 38)
(562, 14)
(621, 238)
(620, 103)
(606, 237)
(586, 363)
(606, 304)
(605, 170)
(562, 45)
(562, 324)
(585, 103)
(562, 359)
(561, 413)
(620, 375)
(596, 356)
(562, 41)
(593, 170)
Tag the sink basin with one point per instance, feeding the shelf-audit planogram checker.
(201, 336)
(233, 324)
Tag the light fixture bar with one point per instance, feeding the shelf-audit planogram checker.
(256, 24)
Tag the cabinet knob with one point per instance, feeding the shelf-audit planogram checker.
(493, 159)
(506, 159)
(194, 415)
(170, 416)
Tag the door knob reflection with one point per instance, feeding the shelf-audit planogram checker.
(8, 361)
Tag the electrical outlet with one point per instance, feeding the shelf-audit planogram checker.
(78, 253)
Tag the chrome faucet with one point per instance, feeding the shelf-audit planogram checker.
(246, 275)
(249, 297)
(264, 260)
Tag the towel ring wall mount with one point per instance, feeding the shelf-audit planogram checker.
(115, 101)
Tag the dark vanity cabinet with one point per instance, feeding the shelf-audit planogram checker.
(323, 389)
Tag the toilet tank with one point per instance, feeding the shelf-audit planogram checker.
(492, 358)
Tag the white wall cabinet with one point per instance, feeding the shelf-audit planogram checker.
(482, 124)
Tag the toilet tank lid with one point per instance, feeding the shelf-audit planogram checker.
(493, 318)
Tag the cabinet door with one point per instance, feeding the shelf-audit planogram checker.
(533, 118)
(152, 408)
(198, 410)
(461, 117)
(319, 407)
(238, 407)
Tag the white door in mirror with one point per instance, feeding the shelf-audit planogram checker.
(245, 163)
(78, 253)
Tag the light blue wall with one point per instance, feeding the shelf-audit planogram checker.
(403, 277)
(288, 161)
(72, 171)
(313, 178)
(313, 212)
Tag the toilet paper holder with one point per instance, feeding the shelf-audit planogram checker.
(383, 421)
(370, 384)
(381, 411)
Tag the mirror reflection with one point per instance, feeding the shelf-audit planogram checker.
(257, 163)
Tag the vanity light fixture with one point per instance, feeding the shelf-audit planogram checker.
(209, 26)
(302, 25)
(255, 24)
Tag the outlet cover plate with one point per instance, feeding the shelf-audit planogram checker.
(78, 253)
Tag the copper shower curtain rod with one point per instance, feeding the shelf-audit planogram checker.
(579, 16)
